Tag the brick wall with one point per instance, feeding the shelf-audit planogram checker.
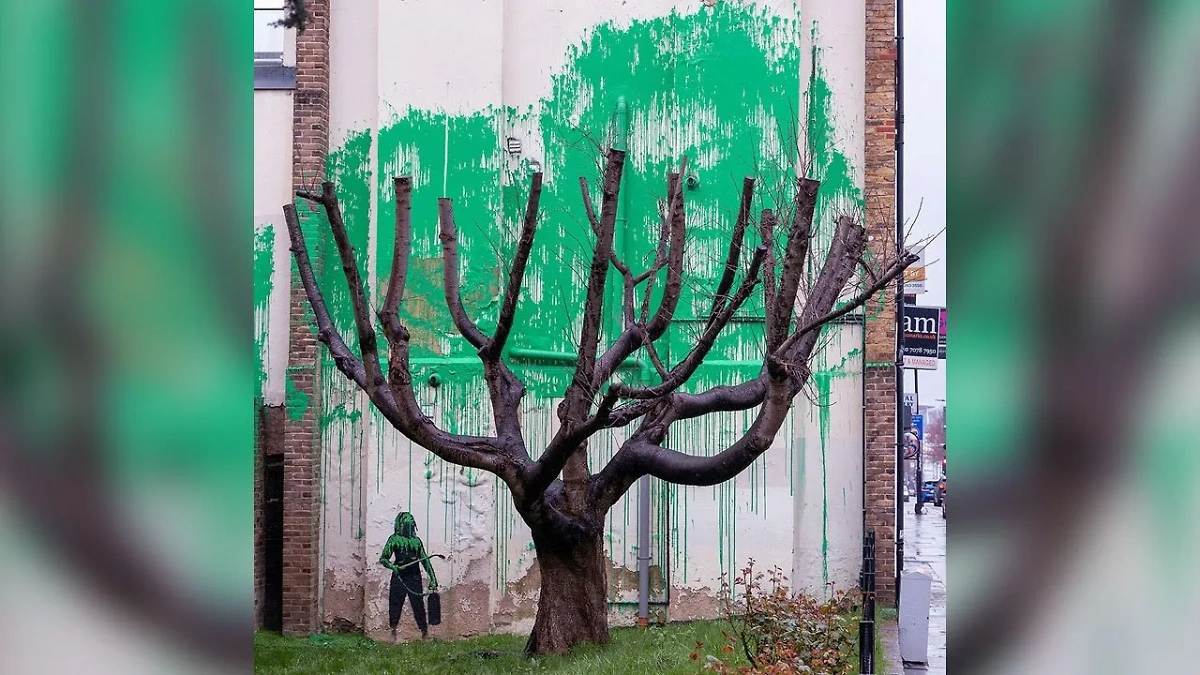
(301, 471)
(880, 191)
(259, 551)
(268, 444)
(301, 436)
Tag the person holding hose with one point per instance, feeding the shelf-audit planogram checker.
(404, 555)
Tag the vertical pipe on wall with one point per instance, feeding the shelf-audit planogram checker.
(920, 508)
(864, 423)
(644, 551)
(900, 479)
(620, 141)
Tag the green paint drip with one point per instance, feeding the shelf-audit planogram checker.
(822, 378)
(839, 191)
(297, 401)
(719, 85)
(350, 170)
(264, 268)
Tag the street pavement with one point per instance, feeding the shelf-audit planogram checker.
(925, 548)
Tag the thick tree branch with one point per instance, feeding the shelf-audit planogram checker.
(400, 409)
(849, 241)
(594, 221)
(389, 314)
(373, 372)
(343, 358)
(450, 282)
(517, 275)
(575, 406)
(766, 231)
(628, 282)
(684, 370)
(593, 308)
(670, 252)
(643, 453)
(735, 249)
(674, 288)
(725, 398)
(794, 258)
(897, 268)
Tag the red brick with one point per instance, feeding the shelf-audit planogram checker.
(879, 192)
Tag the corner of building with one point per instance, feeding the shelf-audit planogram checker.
(301, 435)
(880, 368)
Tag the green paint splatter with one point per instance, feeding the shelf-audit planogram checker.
(264, 267)
(822, 378)
(297, 401)
(720, 85)
(839, 192)
(349, 168)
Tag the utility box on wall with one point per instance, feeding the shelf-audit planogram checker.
(915, 591)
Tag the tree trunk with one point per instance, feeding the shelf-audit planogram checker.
(573, 606)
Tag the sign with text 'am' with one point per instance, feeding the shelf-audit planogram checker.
(921, 332)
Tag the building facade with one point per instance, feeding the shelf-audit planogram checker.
(470, 97)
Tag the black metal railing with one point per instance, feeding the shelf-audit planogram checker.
(866, 626)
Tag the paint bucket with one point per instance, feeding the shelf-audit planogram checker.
(435, 609)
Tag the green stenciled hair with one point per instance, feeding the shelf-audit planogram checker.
(406, 525)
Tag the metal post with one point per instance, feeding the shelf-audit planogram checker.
(866, 647)
(644, 551)
(899, 294)
(866, 627)
(920, 508)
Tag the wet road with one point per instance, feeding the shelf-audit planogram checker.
(925, 548)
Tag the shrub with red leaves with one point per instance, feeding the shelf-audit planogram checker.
(783, 633)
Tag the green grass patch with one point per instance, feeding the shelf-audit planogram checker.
(883, 615)
(658, 650)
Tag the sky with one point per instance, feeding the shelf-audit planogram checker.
(925, 162)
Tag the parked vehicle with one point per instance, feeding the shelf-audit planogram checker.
(943, 488)
(930, 493)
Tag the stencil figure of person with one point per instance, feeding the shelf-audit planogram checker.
(404, 555)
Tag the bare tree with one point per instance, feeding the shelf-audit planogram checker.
(559, 498)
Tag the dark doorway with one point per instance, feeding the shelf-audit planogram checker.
(272, 603)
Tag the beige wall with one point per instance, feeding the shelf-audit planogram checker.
(273, 189)
(799, 507)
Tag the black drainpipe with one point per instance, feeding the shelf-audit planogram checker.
(900, 478)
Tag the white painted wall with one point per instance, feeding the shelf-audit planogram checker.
(799, 507)
(273, 189)
(828, 474)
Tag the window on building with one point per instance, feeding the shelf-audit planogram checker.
(268, 36)
(270, 45)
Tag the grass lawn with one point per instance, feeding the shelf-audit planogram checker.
(657, 650)
(883, 615)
